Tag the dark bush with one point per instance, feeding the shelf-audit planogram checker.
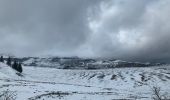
(9, 61)
(1, 59)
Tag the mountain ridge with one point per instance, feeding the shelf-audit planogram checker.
(80, 63)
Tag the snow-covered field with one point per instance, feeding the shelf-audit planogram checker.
(110, 84)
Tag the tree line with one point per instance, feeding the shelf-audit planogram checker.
(15, 64)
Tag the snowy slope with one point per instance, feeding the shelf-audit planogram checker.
(104, 84)
(7, 71)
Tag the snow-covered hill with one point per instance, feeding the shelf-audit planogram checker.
(40, 83)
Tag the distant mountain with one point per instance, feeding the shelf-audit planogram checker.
(79, 63)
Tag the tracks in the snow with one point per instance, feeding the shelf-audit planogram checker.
(60, 94)
(28, 82)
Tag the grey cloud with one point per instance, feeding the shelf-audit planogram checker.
(125, 29)
(132, 30)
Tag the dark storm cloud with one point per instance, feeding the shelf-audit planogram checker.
(43, 25)
(126, 29)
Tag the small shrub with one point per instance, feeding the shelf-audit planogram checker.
(8, 95)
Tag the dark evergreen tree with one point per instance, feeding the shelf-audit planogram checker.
(1, 59)
(15, 65)
(9, 61)
(19, 68)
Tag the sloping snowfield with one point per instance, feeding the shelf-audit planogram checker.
(111, 84)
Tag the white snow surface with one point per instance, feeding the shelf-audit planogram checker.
(39, 83)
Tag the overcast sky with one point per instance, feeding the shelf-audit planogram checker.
(136, 30)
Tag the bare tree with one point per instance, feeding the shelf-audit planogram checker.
(157, 95)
